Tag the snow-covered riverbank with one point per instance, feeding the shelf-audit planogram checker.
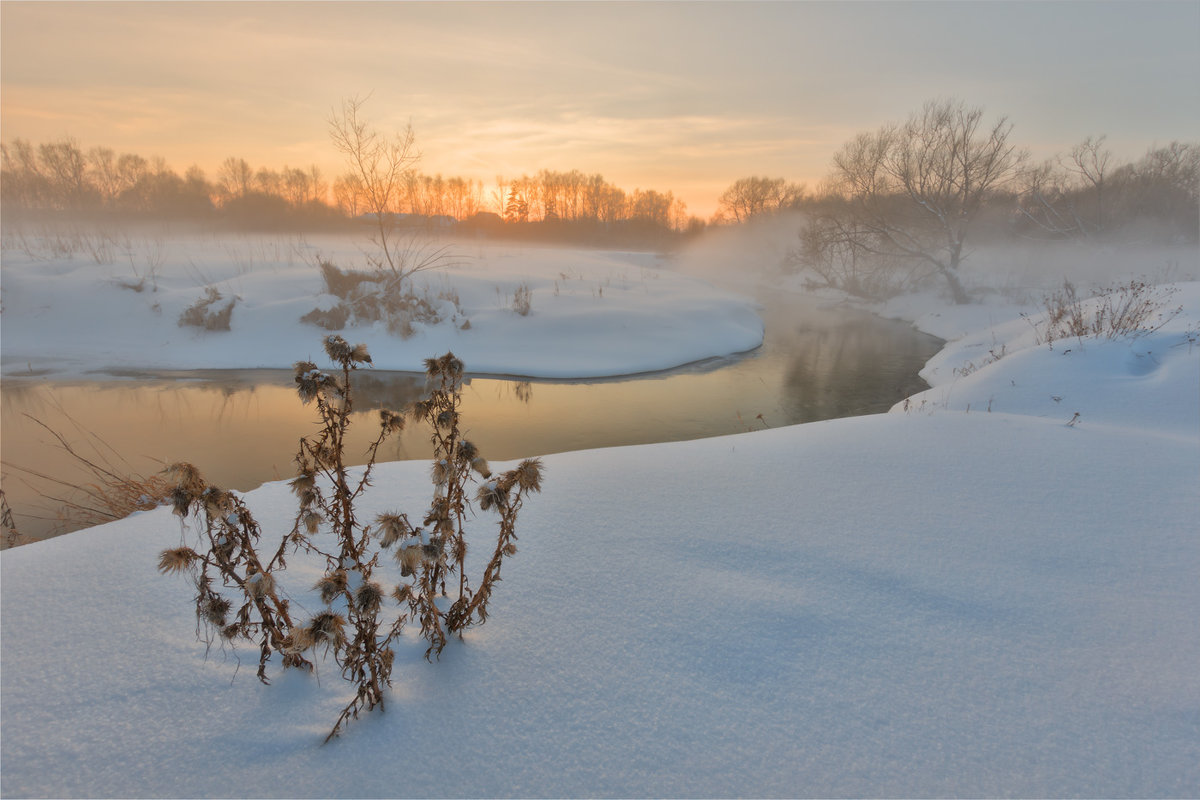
(991, 590)
(589, 314)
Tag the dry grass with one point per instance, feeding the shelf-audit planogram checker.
(109, 490)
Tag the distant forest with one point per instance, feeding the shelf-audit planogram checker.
(1086, 193)
(62, 179)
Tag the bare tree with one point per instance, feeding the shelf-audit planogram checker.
(1090, 162)
(383, 166)
(754, 196)
(915, 189)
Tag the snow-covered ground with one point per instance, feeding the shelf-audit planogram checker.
(591, 313)
(992, 590)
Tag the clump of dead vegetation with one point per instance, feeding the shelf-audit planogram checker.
(206, 314)
(366, 600)
(365, 298)
(1131, 310)
(109, 489)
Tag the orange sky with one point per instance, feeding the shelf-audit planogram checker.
(678, 96)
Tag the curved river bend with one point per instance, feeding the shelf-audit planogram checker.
(241, 427)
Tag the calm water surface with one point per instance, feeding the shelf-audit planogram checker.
(241, 427)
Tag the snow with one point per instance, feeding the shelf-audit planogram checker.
(967, 596)
(593, 313)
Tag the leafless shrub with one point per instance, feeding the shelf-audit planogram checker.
(369, 297)
(1126, 310)
(202, 315)
(522, 300)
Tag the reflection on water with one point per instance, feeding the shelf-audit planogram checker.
(242, 427)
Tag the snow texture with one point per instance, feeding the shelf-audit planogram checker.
(939, 601)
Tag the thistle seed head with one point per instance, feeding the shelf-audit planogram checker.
(260, 584)
(390, 421)
(467, 451)
(529, 474)
(176, 560)
(311, 520)
(329, 629)
(187, 476)
(299, 640)
(214, 610)
(368, 597)
(410, 559)
(331, 585)
(181, 501)
(338, 349)
(392, 528)
(440, 472)
(309, 381)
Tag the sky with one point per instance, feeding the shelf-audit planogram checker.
(684, 97)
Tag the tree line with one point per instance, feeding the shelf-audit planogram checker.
(62, 177)
(903, 202)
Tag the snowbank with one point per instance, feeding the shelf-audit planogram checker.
(592, 314)
(936, 601)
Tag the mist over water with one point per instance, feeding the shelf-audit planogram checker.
(241, 427)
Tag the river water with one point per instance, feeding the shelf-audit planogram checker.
(241, 427)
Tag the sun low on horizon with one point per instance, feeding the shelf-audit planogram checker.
(673, 96)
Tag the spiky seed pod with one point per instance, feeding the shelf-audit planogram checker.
(390, 421)
(492, 493)
(297, 641)
(368, 597)
(218, 502)
(331, 585)
(402, 593)
(392, 528)
(439, 509)
(440, 472)
(260, 584)
(420, 409)
(309, 381)
(450, 366)
(187, 476)
(215, 609)
(467, 451)
(359, 354)
(231, 631)
(410, 560)
(446, 419)
(304, 485)
(431, 552)
(329, 629)
(529, 474)
(509, 549)
(480, 465)
(338, 349)
(176, 560)
(181, 501)
(311, 520)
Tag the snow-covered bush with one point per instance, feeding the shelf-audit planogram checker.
(238, 591)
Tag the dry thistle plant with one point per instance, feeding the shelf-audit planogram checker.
(357, 626)
(431, 555)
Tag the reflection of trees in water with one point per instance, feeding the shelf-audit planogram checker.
(844, 366)
(523, 391)
(391, 390)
